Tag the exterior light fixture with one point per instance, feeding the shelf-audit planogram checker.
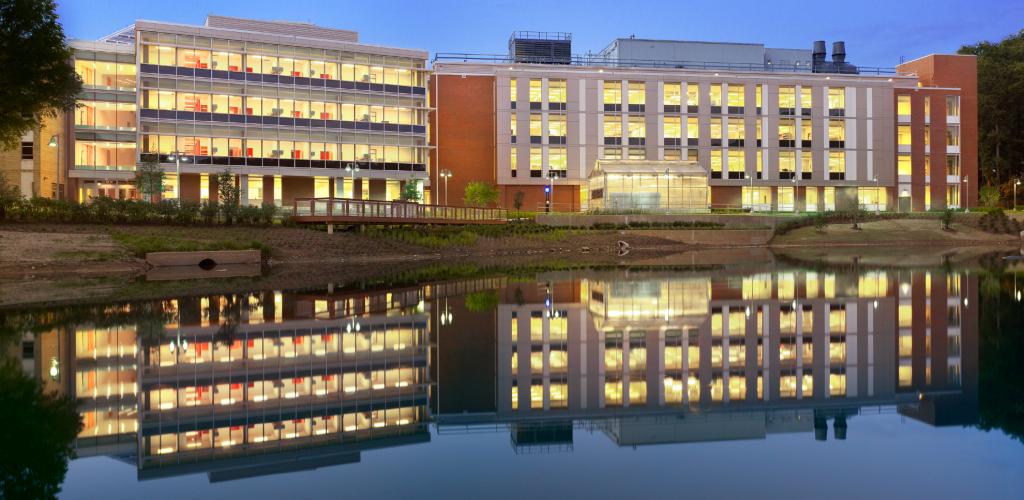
(54, 368)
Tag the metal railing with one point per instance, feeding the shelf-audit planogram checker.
(346, 209)
(615, 62)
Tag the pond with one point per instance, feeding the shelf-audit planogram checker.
(768, 380)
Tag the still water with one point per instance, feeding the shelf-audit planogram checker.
(644, 382)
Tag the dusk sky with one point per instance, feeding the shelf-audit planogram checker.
(877, 33)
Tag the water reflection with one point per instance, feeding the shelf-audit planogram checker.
(267, 382)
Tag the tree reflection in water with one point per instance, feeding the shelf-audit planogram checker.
(36, 433)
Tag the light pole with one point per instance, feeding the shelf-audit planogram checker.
(55, 143)
(750, 194)
(550, 198)
(177, 157)
(1015, 184)
(445, 174)
(967, 189)
(878, 204)
(352, 169)
(796, 194)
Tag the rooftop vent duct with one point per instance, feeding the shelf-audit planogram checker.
(818, 53)
(839, 52)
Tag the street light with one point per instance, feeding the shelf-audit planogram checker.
(796, 194)
(446, 174)
(967, 189)
(352, 169)
(750, 195)
(878, 205)
(55, 143)
(549, 199)
(1015, 184)
(177, 157)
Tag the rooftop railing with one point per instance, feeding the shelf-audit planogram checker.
(603, 61)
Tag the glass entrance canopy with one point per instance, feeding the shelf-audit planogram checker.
(648, 185)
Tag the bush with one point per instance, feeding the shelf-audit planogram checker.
(104, 210)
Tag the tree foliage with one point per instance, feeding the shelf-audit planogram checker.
(410, 191)
(149, 179)
(38, 78)
(480, 194)
(1000, 109)
(36, 432)
(228, 196)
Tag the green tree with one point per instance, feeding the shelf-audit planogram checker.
(411, 191)
(38, 79)
(228, 196)
(1000, 101)
(149, 179)
(10, 195)
(988, 196)
(36, 432)
(480, 194)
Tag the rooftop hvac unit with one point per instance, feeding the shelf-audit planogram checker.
(540, 47)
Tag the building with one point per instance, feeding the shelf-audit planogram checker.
(32, 165)
(775, 129)
(290, 109)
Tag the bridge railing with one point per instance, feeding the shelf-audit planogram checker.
(400, 211)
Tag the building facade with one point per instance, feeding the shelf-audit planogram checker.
(289, 109)
(773, 130)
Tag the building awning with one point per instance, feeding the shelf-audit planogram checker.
(648, 167)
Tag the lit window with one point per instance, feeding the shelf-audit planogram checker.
(836, 98)
(757, 96)
(612, 126)
(512, 91)
(903, 105)
(612, 92)
(556, 91)
(692, 128)
(716, 128)
(536, 125)
(736, 163)
(806, 131)
(837, 165)
(535, 90)
(637, 128)
(805, 97)
(536, 160)
(903, 165)
(787, 97)
(952, 135)
(673, 127)
(836, 132)
(952, 105)
(692, 95)
(953, 165)
(903, 135)
(787, 130)
(736, 96)
(637, 93)
(787, 164)
(556, 125)
(673, 94)
(557, 159)
(716, 172)
(512, 161)
(736, 128)
(716, 94)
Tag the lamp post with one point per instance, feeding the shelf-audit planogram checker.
(750, 194)
(878, 204)
(445, 174)
(967, 189)
(1015, 184)
(352, 169)
(796, 194)
(177, 157)
(550, 198)
(55, 143)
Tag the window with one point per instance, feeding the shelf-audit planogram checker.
(735, 128)
(536, 162)
(612, 128)
(673, 154)
(512, 92)
(903, 165)
(557, 161)
(692, 97)
(836, 166)
(760, 163)
(637, 96)
(952, 105)
(737, 165)
(953, 165)
(637, 130)
(716, 97)
(927, 135)
(536, 128)
(556, 126)
(757, 96)
(787, 99)
(953, 135)
(691, 155)
(836, 98)
(787, 164)
(903, 135)
(806, 165)
(736, 98)
(612, 153)
(927, 166)
(26, 151)
(536, 94)
(806, 132)
(556, 92)
(513, 127)
(692, 130)
(758, 124)
(927, 107)
(836, 133)
(903, 105)
(637, 154)
(716, 131)
(513, 160)
(673, 129)
(805, 100)
(716, 164)
(673, 96)
(612, 97)
(787, 132)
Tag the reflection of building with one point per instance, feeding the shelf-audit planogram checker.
(253, 384)
(660, 357)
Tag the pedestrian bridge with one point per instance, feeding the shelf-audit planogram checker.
(352, 211)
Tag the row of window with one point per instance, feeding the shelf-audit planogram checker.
(952, 105)
(903, 135)
(272, 148)
(274, 65)
(291, 108)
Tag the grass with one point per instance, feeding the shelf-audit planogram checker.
(86, 255)
(140, 245)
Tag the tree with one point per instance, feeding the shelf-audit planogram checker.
(411, 191)
(517, 200)
(480, 194)
(228, 195)
(36, 432)
(10, 194)
(1000, 99)
(149, 179)
(38, 78)
(988, 196)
